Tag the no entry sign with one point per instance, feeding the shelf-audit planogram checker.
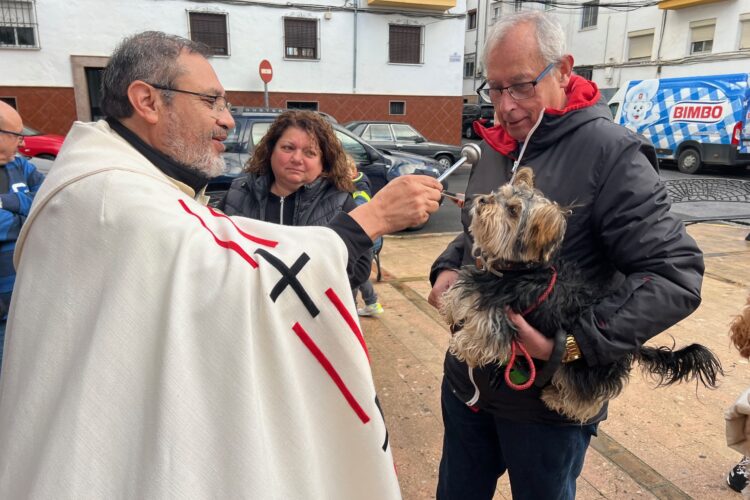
(265, 70)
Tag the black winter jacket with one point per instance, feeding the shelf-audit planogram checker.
(621, 232)
(316, 204)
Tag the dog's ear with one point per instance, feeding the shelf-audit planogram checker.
(546, 229)
(524, 175)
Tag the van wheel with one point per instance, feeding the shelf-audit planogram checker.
(689, 161)
(469, 132)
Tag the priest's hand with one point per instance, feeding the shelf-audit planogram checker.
(406, 201)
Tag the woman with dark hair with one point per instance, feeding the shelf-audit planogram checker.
(298, 175)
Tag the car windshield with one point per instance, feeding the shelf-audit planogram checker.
(27, 131)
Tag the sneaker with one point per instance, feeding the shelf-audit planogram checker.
(371, 310)
(738, 476)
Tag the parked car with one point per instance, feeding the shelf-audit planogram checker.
(39, 145)
(485, 113)
(402, 137)
(251, 124)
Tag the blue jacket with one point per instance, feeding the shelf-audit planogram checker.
(23, 181)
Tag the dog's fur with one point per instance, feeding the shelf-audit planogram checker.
(739, 332)
(517, 232)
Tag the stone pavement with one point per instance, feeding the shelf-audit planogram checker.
(657, 443)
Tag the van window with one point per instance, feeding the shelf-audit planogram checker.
(613, 109)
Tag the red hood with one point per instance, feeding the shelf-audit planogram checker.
(581, 93)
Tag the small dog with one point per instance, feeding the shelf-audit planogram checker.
(517, 232)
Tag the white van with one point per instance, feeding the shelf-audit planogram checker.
(697, 120)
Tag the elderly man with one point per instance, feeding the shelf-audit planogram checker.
(621, 232)
(160, 349)
(19, 180)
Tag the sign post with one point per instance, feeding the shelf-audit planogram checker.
(266, 73)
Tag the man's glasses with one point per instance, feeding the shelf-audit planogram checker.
(217, 102)
(518, 91)
(19, 135)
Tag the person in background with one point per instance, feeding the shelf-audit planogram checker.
(362, 194)
(19, 181)
(620, 233)
(298, 176)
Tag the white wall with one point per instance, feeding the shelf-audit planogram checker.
(94, 27)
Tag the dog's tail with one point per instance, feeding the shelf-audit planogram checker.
(667, 366)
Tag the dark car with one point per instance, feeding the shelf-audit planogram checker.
(402, 137)
(251, 124)
(485, 113)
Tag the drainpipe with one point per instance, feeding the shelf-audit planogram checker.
(661, 38)
(354, 56)
(476, 47)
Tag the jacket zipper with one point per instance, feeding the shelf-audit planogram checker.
(281, 209)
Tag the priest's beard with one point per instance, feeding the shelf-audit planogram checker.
(192, 148)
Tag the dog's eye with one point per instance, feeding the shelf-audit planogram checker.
(513, 210)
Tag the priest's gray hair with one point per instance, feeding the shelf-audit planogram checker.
(549, 35)
(151, 57)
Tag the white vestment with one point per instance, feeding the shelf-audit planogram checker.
(159, 349)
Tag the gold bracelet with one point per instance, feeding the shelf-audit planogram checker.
(572, 352)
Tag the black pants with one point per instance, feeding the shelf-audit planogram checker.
(543, 461)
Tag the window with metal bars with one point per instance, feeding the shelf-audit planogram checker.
(405, 44)
(18, 27)
(300, 38)
(210, 29)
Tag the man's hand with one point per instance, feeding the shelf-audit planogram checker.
(539, 346)
(406, 201)
(443, 282)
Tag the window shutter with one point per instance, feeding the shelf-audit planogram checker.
(640, 46)
(702, 34)
(210, 29)
(745, 34)
(301, 38)
(405, 44)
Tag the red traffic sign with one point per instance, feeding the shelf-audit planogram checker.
(265, 70)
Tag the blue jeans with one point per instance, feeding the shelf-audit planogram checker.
(543, 461)
(368, 293)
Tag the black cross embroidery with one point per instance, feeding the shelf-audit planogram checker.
(377, 403)
(289, 278)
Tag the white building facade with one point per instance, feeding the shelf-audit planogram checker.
(613, 42)
(355, 59)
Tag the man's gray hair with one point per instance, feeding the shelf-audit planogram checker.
(151, 57)
(549, 35)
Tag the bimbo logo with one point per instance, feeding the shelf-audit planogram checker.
(698, 111)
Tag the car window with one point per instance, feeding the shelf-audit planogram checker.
(232, 143)
(356, 150)
(378, 132)
(488, 112)
(406, 133)
(30, 131)
(258, 131)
